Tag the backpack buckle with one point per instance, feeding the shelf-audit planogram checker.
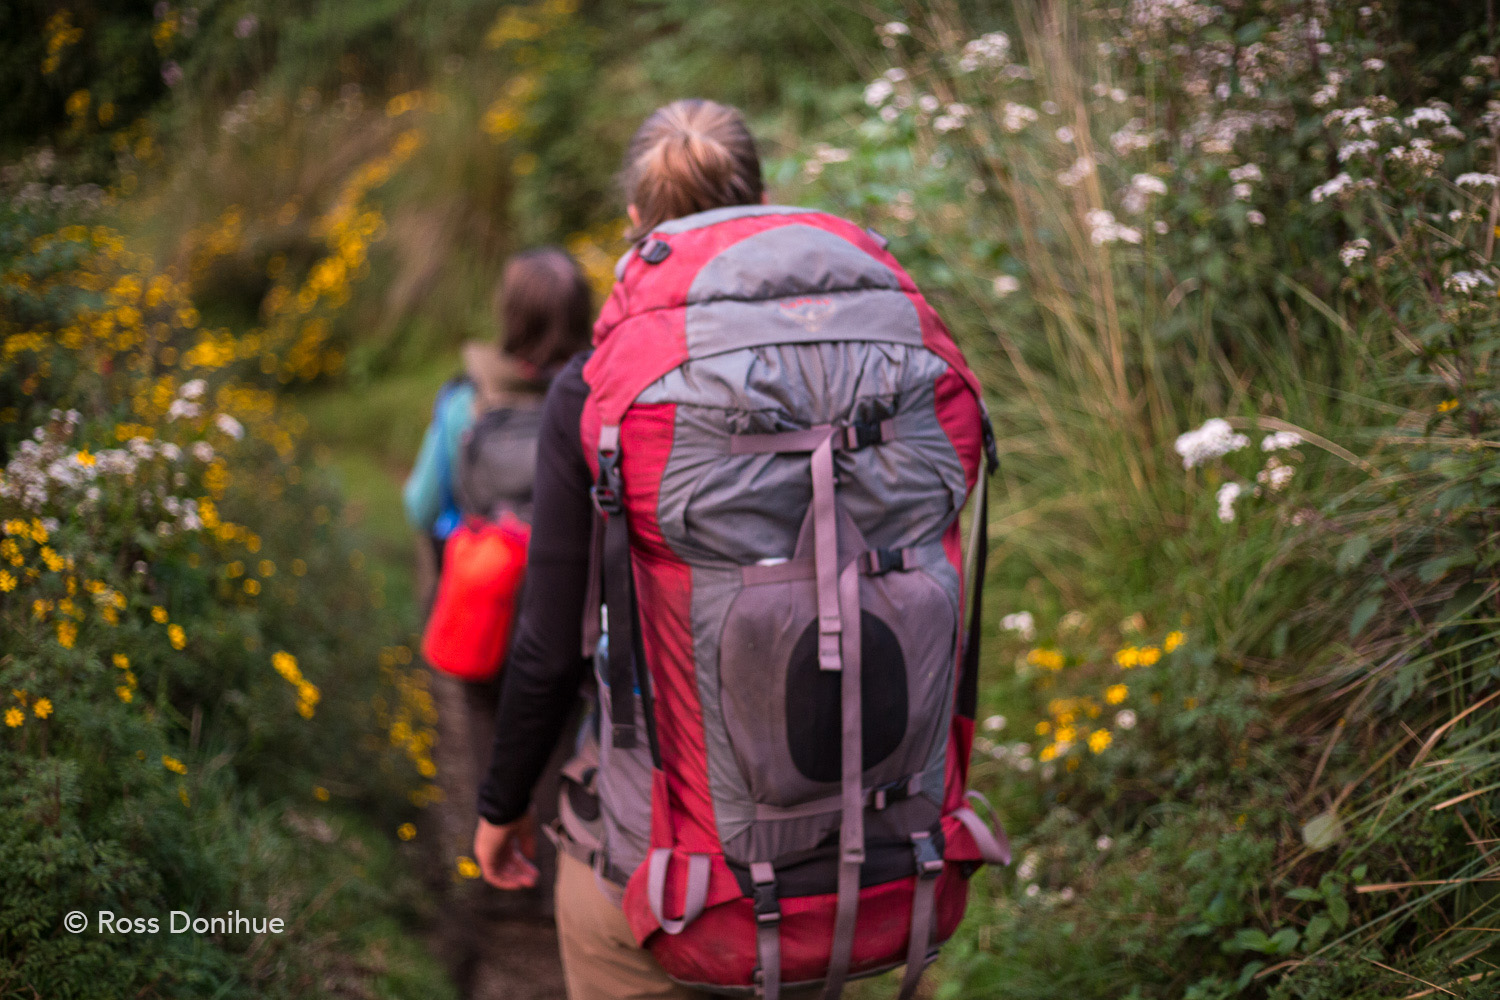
(767, 903)
(607, 490)
(862, 434)
(655, 251)
(878, 562)
(929, 861)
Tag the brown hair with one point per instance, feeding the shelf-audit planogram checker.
(545, 308)
(690, 156)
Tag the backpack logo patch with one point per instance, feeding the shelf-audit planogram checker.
(808, 313)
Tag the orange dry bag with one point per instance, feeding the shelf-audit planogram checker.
(484, 562)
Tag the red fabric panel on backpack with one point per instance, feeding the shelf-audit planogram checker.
(664, 595)
(719, 947)
(468, 632)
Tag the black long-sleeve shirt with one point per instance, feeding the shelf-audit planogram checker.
(545, 668)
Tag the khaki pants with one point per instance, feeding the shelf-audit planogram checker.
(600, 958)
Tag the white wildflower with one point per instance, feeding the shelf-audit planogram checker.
(1118, 96)
(895, 74)
(1021, 623)
(1066, 894)
(193, 389)
(1331, 188)
(1130, 139)
(1275, 475)
(1427, 116)
(894, 28)
(947, 123)
(1373, 65)
(988, 50)
(1027, 868)
(170, 451)
(1255, 217)
(1065, 135)
(1358, 147)
(1473, 179)
(1161, 228)
(1227, 495)
(928, 103)
(889, 114)
(1005, 284)
(1466, 281)
(1248, 172)
(878, 92)
(1014, 117)
(1353, 251)
(1419, 155)
(1242, 191)
(1049, 107)
(1081, 169)
(994, 723)
(1280, 440)
(203, 451)
(228, 425)
(1125, 719)
(182, 408)
(1103, 229)
(1032, 890)
(1214, 439)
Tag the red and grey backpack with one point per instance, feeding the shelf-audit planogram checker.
(783, 434)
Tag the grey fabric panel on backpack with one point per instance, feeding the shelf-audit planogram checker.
(497, 463)
(698, 220)
(753, 504)
(624, 784)
(871, 315)
(793, 260)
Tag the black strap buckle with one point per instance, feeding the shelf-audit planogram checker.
(862, 434)
(991, 450)
(767, 904)
(929, 861)
(608, 488)
(655, 251)
(892, 791)
(877, 562)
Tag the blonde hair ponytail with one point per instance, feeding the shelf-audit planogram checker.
(690, 156)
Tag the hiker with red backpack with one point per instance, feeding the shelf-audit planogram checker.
(470, 497)
(749, 503)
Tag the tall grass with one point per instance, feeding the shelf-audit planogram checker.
(1302, 804)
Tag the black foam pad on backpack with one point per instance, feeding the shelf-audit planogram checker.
(814, 721)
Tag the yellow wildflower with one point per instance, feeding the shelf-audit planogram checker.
(299, 568)
(467, 868)
(125, 694)
(406, 831)
(176, 636)
(122, 661)
(1149, 656)
(252, 587)
(1047, 659)
(85, 458)
(1049, 752)
(426, 768)
(320, 793)
(1128, 657)
(1447, 406)
(1065, 734)
(14, 717)
(1173, 640)
(159, 615)
(286, 665)
(67, 634)
(173, 764)
(42, 708)
(266, 568)
(1043, 728)
(1099, 739)
(305, 709)
(7, 582)
(1190, 703)
(182, 796)
(1116, 693)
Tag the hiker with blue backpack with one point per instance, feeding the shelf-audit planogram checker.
(470, 498)
(747, 521)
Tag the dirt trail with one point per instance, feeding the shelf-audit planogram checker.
(506, 952)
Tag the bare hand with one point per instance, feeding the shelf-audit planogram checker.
(504, 853)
